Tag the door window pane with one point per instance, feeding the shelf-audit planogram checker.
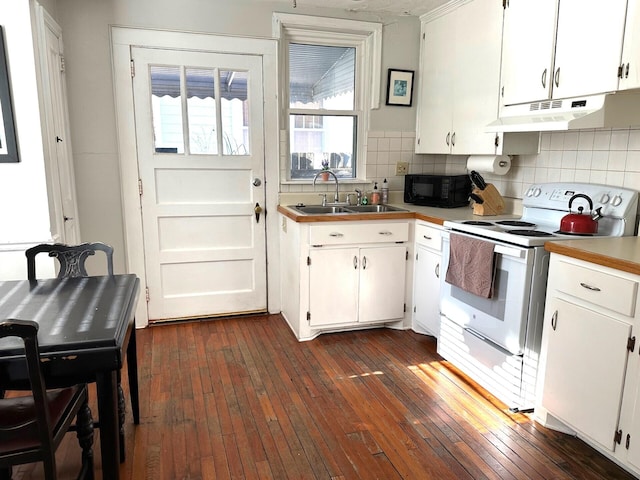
(201, 111)
(235, 112)
(166, 109)
(322, 140)
(321, 77)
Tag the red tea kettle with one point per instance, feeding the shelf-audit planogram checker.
(578, 222)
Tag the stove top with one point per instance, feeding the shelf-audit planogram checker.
(544, 205)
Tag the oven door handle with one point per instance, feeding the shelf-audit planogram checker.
(509, 251)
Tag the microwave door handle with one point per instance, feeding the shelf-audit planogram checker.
(509, 251)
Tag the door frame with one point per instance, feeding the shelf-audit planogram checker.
(122, 39)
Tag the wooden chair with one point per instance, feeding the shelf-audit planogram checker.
(32, 427)
(71, 257)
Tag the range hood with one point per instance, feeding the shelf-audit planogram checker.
(607, 110)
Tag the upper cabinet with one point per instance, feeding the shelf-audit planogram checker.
(584, 58)
(459, 82)
(629, 67)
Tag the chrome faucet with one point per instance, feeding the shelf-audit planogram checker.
(358, 196)
(336, 198)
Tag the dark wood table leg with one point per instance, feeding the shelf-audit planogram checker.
(107, 390)
(132, 370)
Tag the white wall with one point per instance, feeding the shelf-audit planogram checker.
(85, 28)
(24, 215)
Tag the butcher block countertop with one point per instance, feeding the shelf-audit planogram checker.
(621, 253)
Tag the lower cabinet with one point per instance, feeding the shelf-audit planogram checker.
(343, 275)
(426, 280)
(362, 285)
(589, 375)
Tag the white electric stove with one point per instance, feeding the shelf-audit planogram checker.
(496, 340)
(543, 207)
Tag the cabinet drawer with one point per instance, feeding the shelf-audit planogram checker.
(615, 293)
(428, 236)
(348, 233)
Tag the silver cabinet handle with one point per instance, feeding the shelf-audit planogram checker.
(589, 287)
(426, 238)
(355, 262)
(453, 139)
(626, 72)
(364, 263)
(556, 77)
(544, 78)
(554, 320)
(336, 234)
(386, 233)
(448, 137)
(438, 270)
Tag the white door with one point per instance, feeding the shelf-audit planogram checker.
(199, 134)
(434, 123)
(575, 333)
(60, 175)
(382, 282)
(588, 63)
(527, 55)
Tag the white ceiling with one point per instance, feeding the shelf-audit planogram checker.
(395, 7)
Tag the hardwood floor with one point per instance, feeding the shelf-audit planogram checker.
(243, 399)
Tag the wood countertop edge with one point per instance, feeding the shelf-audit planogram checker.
(593, 257)
(349, 217)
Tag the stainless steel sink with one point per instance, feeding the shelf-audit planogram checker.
(374, 209)
(319, 209)
(327, 209)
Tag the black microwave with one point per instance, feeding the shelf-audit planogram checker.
(447, 191)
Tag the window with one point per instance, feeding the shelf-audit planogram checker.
(330, 80)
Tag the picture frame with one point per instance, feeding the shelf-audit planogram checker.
(400, 87)
(8, 142)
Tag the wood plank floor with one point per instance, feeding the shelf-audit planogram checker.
(243, 399)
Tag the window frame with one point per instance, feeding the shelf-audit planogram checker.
(366, 38)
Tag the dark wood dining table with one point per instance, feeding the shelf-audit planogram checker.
(86, 325)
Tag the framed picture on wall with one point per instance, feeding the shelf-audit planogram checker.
(400, 87)
(8, 143)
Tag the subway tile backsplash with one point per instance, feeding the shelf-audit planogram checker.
(607, 156)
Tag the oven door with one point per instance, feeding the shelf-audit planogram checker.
(494, 319)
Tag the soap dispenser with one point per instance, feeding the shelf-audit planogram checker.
(375, 195)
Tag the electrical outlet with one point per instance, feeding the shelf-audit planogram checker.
(402, 168)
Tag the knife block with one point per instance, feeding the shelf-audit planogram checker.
(493, 203)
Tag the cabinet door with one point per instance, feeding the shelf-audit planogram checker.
(631, 48)
(588, 47)
(426, 290)
(585, 368)
(435, 86)
(528, 43)
(382, 283)
(476, 76)
(333, 284)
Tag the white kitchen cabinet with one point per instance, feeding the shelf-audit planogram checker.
(356, 285)
(459, 81)
(555, 49)
(629, 67)
(426, 283)
(575, 334)
(343, 275)
(588, 377)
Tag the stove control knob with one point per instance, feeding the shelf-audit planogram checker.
(617, 200)
(605, 198)
(537, 192)
(529, 192)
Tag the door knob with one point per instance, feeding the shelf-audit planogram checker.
(257, 210)
(257, 182)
